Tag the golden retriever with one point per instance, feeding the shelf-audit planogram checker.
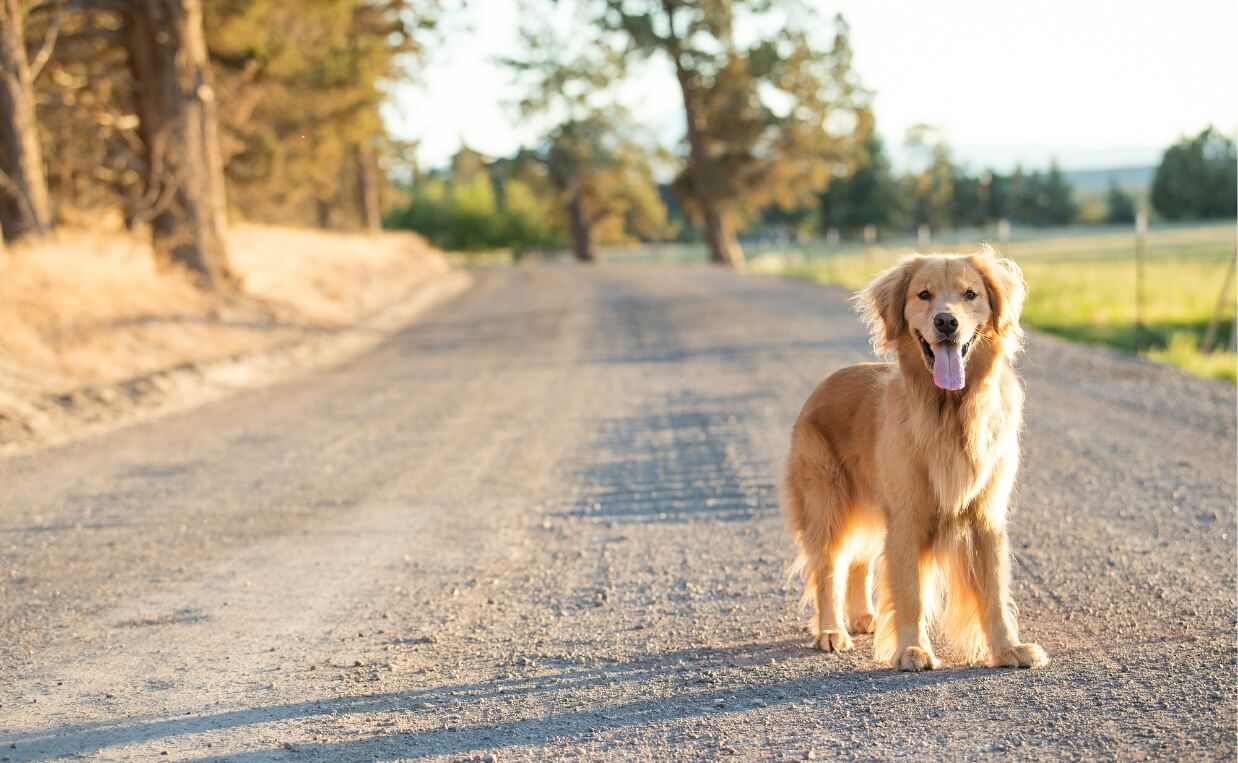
(900, 474)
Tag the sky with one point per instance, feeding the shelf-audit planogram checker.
(1091, 83)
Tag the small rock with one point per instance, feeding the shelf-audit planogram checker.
(810, 755)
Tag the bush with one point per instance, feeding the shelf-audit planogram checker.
(466, 217)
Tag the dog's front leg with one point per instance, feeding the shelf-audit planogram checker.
(905, 551)
(992, 571)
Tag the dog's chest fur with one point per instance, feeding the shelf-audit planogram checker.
(958, 438)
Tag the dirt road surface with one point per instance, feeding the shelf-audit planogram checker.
(541, 522)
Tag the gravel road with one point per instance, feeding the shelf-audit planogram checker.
(542, 522)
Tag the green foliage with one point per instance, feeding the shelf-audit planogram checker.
(301, 86)
(460, 209)
(868, 195)
(1083, 288)
(938, 192)
(1119, 206)
(1197, 178)
(1183, 351)
(588, 165)
(770, 114)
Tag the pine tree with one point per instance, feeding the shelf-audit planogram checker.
(24, 207)
(1119, 206)
(1059, 199)
(176, 106)
(1196, 178)
(868, 195)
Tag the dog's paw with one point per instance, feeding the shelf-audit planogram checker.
(914, 660)
(833, 641)
(1020, 656)
(862, 624)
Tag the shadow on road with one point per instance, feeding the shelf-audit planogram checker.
(621, 679)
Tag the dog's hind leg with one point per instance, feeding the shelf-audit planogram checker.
(860, 615)
(828, 572)
(817, 500)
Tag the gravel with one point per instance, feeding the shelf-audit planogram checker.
(541, 522)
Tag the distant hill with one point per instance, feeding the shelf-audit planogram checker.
(1136, 180)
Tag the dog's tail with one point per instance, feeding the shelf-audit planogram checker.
(948, 601)
(801, 571)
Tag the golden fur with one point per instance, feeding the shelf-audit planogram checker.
(897, 489)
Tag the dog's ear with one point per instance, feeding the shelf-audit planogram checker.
(1004, 282)
(882, 302)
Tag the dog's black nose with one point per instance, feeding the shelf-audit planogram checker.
(945, 323)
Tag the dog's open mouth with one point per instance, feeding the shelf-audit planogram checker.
(945, 360)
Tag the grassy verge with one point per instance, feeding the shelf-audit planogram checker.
(1083, 288)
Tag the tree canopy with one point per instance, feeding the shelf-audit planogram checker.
(1197, 178)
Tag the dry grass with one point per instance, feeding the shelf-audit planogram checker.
(87, 308)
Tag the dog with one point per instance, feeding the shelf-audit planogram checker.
(900, 473)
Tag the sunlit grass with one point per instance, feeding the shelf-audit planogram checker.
(1083, 288)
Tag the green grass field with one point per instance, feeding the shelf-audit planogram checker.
(1082, 287)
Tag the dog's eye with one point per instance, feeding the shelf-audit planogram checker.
(925, 295)
(969, 294)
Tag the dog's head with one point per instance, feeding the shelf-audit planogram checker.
(953, 311)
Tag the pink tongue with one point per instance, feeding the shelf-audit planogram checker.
(948, 366)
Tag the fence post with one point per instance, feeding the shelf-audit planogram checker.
(1141, 233)
(1210, 336)
(925, 234)
(1003, 231)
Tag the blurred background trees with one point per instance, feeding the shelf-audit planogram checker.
(770, 108)
(1197, 178)
(23, 188)
(151, 108)
(173, 116)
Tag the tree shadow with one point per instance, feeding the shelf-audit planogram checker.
(536, 726)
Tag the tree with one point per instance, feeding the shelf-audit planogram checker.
(868, 195)
(300, 127)
(481, 205)
(1196, 178)
(597, 172)
(1119, 206)
(24, 207)
(930, 189)
(1058, 203)
(176, 107)
(766, 118)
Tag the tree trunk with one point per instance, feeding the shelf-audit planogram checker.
(24, 207)
(724, 248)
(176, 105)
(581, 231)
(367, 188)
(322, 211)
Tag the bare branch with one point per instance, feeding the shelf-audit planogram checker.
(49, 43)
